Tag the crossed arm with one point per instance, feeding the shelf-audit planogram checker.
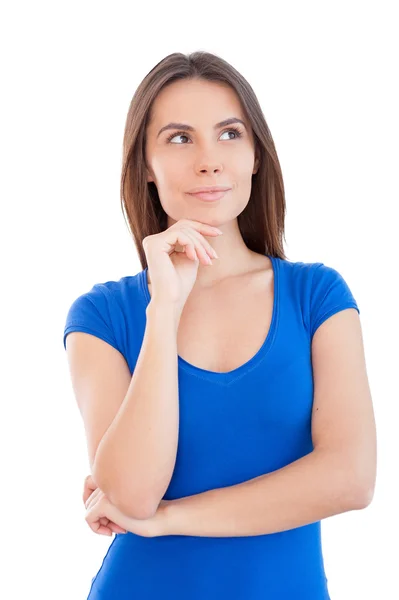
(337, 476)
(312, 488)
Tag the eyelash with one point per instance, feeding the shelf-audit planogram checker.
(175, 133)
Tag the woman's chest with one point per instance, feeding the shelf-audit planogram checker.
(222, 330)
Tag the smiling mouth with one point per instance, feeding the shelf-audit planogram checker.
(209, 196)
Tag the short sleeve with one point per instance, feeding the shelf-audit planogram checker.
(91, 313)
(330, 294)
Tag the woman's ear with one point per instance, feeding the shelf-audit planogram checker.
(256, 165)
(149, 175)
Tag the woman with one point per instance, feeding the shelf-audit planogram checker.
(227, 409)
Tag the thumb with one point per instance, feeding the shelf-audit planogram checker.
(88, 487)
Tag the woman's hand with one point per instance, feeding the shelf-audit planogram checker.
(173, 271)
(99, 507)
(104, 526)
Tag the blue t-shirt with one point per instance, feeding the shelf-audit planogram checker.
(233, 427)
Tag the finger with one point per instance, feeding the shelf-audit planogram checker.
(111, 525)
(200, 250)
(90, 502)
(116, 528)
(186, 243)
(85, 490)
(204, 228)
(198, 247)
(93, 519)
(87, 503)
(89, 487)
(103, 522)
(188, 246)
(87, 493)
(209, 249)
(92, 498)
(98, 528)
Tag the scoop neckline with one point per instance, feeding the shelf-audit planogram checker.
(229, 376)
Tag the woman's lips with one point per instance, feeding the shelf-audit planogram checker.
(209, 196)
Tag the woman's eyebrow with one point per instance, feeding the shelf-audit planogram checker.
(186, 127)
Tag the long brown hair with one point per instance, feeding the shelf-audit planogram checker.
(261, 223)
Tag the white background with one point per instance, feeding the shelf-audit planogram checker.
(326, 78)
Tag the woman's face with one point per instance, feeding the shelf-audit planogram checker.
(202, 157)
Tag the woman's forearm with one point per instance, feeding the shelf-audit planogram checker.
(136, 457)
(312, 488)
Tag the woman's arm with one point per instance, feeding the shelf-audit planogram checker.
(312, 488)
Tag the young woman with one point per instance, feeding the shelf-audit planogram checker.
(223, 388)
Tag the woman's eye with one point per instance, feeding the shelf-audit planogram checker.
(231, 131)
(176, 135)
